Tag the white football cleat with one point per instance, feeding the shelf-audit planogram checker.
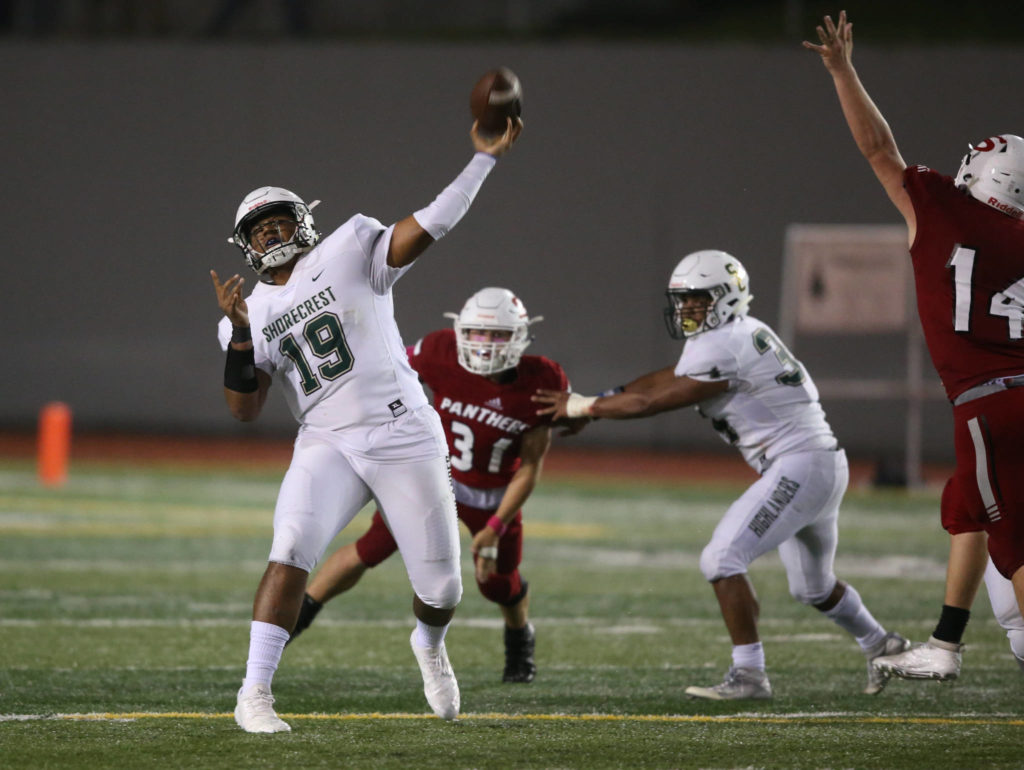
(439, 683)
(739, 684)
(891, 644)
(254, 711)
(934, 659)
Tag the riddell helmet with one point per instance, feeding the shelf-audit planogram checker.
(993, 172)
(496, 309)
(710, 272)
(267, 200)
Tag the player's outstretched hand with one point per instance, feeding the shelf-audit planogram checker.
(552, 402)
(496, 145)
(836, 43)
(229, 297)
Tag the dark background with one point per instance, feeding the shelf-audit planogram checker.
(132, 130)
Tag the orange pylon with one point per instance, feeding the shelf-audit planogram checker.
(54, 443)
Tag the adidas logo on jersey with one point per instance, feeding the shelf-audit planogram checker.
(494, 403)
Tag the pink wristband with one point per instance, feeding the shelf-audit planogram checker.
(497, 525)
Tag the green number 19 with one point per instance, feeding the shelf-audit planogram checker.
(327, 340)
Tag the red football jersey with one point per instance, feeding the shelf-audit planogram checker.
(484, 421)
(969, 273)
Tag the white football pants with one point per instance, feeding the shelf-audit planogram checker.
(1004, 607)
(404, 465)
(793, 507)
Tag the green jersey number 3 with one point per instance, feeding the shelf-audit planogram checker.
(793, 373)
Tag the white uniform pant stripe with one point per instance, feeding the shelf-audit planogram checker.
(981, 472)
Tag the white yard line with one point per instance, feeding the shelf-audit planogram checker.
(600, 625)
(833, 717)
(903, 566)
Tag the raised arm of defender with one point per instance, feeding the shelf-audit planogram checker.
(870, 130)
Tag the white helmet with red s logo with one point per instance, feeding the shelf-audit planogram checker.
(992, 171)
(492, 309)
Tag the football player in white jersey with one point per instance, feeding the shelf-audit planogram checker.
(322, 325)
(737, 373)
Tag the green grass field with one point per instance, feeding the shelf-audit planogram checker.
(125, 599)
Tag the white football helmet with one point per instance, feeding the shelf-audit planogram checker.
(720, 276)
(266, 200)
(499, 310)
(993, 172)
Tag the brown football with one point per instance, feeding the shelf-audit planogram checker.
(496, 96)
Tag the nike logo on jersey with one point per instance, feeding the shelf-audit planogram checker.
(318, 274)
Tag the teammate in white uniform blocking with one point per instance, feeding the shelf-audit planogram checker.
(322, 325)
(761, 400)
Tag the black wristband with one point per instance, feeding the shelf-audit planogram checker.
(240, 371)
(241, 333)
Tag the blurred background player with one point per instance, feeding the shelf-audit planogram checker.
(760, 399)
(482, 386)
(966, 240)
(325, 329)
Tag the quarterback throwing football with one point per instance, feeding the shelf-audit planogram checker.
(323, 326)
(760, 399)
(482, 386)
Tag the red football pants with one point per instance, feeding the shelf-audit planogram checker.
(986, 491)
(502, 587)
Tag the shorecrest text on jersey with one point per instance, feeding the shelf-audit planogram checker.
(300, 312)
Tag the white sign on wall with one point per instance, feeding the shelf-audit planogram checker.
(846, 278)
(856, 279)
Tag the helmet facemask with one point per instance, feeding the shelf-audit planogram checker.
(494, 356)
(684, 304)
(282, 204)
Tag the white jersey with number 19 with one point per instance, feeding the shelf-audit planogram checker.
(329, 335)
(771, 405)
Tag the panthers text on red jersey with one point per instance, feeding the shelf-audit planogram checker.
(969, 274)
(484, 421)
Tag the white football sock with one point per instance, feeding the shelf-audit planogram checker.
(266, 644)
(852, 616)
(748, 655)
(429, 636)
